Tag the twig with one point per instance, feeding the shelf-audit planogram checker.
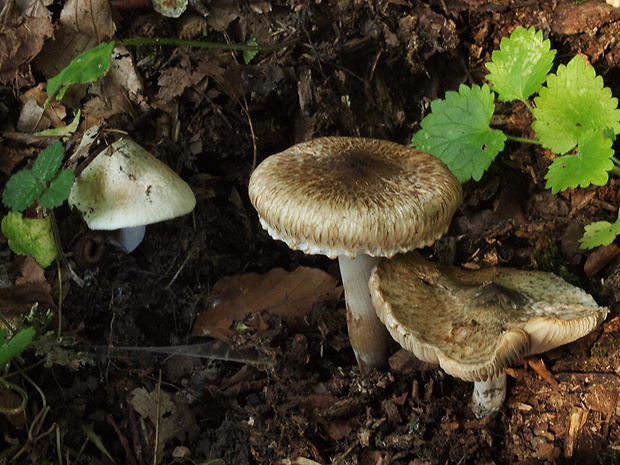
(157, 421)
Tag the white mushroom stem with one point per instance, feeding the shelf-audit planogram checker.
(489, 395)
(368, 336)
(128, 239)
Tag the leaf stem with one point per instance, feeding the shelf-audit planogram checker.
(210, 45)
(523, 139)
(616, 170)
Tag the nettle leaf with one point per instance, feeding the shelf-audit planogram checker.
(58, 190)
(32, 237)
(21, 190)
(520, 66)
(48, 162)
(458, 132)
(574, 102)
(599, 233)
(86, 67)
(590, 165)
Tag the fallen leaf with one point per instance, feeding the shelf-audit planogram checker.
(64, 47)
(90, 17)
(221, 13)
(30, 287)
(174, 80)
(21, 39)
(32, 118)
(54, 111)
(118, 90)
(290, 294)
(599, 258)
(10, 158)
(30, 272)
(170, 413)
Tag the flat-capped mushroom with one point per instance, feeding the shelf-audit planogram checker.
(125, 188)
(355, 199)
(475, 323)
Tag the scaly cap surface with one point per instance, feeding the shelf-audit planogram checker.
(350, 195)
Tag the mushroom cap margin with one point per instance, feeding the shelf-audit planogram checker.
(424, 307)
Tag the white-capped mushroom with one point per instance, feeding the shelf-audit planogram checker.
(475, 323)
(125, 188)
(355, 199)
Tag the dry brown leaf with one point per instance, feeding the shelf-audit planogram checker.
(90, 17)
(221, 13)
(290, 294)
(10, 158)
(174, 80)
(64, 47)
(53, 110)
(21, 39)
(30, 272)
(31, 117)
(118, 90)
(175, 419)
(30, 287)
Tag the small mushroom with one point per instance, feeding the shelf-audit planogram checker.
(125, 188)
(475, 323)
(355, 199)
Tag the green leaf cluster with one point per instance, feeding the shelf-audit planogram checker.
(575, 116)
(46, 182)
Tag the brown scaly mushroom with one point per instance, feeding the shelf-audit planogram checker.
(355, 199)
(475, 323)
(125, 188)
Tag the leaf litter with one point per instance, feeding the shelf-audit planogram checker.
(358, 69)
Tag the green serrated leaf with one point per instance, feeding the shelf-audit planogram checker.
(15, 346)
(32, 237)
(458, 132)
(21, 190)
(48, 162)
(574, 101)
(590, 165)
(520, 66)
(86, 67)
(248, 55)
(599, 234)
(58, 190)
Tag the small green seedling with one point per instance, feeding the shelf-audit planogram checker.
(12, 347)
(51, 185)
(575, 116)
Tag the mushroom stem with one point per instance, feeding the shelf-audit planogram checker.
(489, 395)
(368, 336)
(128, 239)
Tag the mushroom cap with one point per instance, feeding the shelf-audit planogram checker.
(349, 195)
(475, 323)
(125, 186)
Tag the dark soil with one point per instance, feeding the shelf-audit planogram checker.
(289, 391)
